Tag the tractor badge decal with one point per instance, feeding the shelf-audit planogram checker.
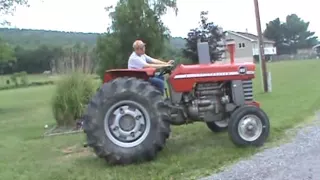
(242, 70)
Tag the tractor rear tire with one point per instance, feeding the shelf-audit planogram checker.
(127, 121)
(218, 126)
(248, 126)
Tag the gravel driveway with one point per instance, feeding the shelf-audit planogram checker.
(298, 160)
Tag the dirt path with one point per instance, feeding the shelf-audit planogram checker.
(298, 160)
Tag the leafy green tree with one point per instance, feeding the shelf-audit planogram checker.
(33, 61)
(107, 47)
(275, 31)
(9, 6)
(6, 52)
(290, 35)
(177, 42)
(296, 33)
(206, 32)
(131, 20)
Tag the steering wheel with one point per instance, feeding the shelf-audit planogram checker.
(166, 70)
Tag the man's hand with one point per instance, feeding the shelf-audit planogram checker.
(170, 61)
(157, 61)
(167, 65)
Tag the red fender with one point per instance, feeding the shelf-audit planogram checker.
(137, 73)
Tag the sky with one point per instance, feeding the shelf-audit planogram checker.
(90, 16)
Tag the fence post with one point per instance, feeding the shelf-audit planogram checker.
(269, 82)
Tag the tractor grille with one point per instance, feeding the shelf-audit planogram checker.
(247, 90)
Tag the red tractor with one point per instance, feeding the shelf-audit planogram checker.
(128, 120)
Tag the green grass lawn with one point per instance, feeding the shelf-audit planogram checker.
(192, 150)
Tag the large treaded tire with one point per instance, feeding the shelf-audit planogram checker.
(138, 91)
(234, 122)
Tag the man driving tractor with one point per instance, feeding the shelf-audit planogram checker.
(139, 60)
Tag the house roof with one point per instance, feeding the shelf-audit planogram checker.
(249, 36)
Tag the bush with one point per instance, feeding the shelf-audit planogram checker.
(32, 84)
(41, 83)
(19, 78)
(14, 79)
(24, 78)
(72, 95)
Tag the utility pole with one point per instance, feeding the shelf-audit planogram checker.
(261, 48)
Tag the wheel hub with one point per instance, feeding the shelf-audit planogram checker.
(250, 128)
(127, 124)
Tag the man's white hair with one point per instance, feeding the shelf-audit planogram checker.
(138, 44)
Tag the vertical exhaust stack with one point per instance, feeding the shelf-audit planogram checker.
(231, 45)
(203, 53)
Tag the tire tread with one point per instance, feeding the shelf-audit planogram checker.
(95, 133)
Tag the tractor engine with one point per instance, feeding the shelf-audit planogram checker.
(207, 101)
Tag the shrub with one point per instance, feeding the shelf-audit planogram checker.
(72, 95)
(24, 78)
(14, 79)
(41, 83)
(32, 84)
(19, 78)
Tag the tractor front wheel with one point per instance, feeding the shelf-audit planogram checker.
(127, 121)
(249, 126)
(218, 126)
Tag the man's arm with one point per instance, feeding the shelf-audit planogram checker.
(157, 61)
(147, 65)
(142, 64)
(154, 61)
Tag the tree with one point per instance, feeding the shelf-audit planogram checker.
(296, 33)
(33, 61)
(9, 6)
(206, 32)
(71, 58)
(7, 57)
(290, 35)
(6, 52)
(275, 31)
(131, 20)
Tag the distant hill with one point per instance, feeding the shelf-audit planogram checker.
(30, 38)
